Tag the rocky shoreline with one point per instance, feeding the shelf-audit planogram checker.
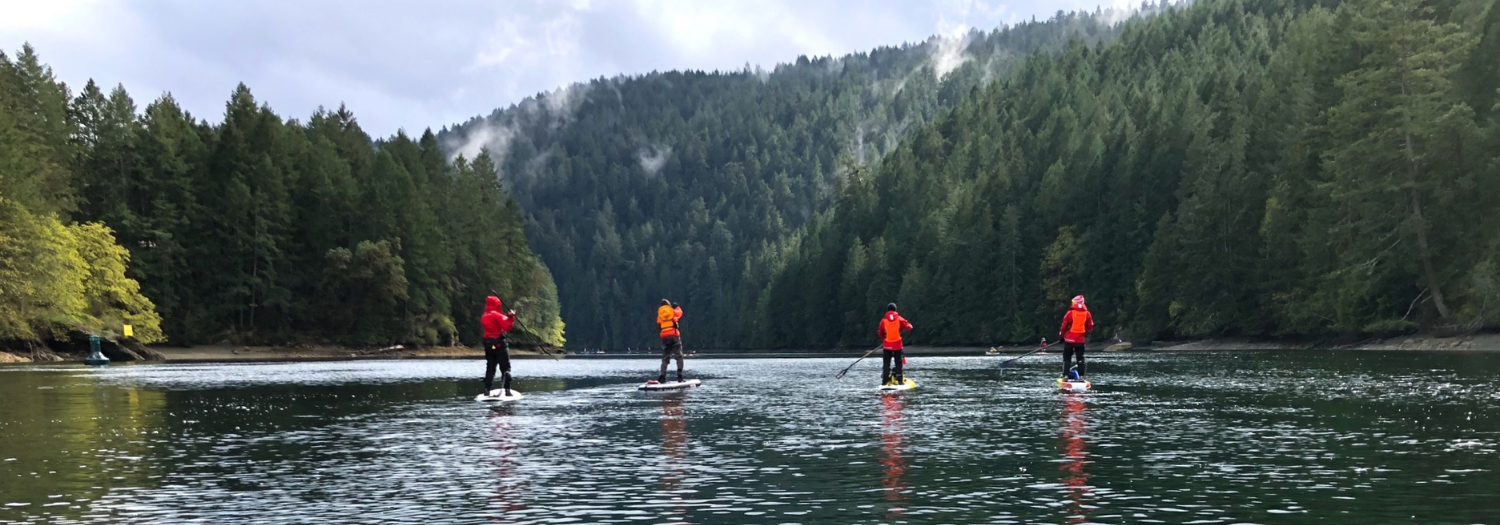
(238, 353)
(1464, 343)
(235, 353)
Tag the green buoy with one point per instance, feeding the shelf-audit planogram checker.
(96, 356)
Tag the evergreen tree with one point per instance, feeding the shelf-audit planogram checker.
(1400, 133)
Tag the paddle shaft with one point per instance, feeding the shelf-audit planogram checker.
(1008, 362)
(541, 345)
(856, 361)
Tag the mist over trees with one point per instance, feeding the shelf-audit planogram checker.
(681, 184)
(1230, 167)
(1234, 167)
(256, 230)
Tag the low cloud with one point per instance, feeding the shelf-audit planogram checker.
(494, 137)
(653, 157)
(401, 64)
(949, 52)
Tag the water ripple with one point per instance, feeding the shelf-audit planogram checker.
(1256, 437)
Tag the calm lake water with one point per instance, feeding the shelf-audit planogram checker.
(1253, 437)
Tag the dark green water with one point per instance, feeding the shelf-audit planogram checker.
(1331, 437)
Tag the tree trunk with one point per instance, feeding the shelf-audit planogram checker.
(1423, 251)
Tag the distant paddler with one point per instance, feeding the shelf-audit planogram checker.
(497, 324)
(668, 317)
(1076, 325)
(891, 325)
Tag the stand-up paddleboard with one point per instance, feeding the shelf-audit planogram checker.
(907, 385)
(1068, 385)
(498, 395)
(653, 386)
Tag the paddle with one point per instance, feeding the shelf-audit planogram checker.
(856, 361)
(541, 345)
(1011, 361)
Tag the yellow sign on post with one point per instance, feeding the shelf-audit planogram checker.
(129, 331)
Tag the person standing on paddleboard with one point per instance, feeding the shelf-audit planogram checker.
(496, 348)
(891, 325)
(667, 317)
(1076, 325)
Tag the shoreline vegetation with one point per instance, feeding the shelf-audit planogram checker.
(256, 229)
(251, 354)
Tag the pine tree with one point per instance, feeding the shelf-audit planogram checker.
(1397, 120)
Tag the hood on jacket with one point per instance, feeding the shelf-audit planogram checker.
(1078, 303)
(491, 304)
(891, 315)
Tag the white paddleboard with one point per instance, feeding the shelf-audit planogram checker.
(497, 395)
(908, 385)
(1073, 386)
(653, 386)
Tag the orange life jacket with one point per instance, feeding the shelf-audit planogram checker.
(1077, 322)
(892, 328)
(666, 318)
(1080, 324)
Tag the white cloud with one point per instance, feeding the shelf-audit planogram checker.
(404, 64)
(700, 31)
(31, 15)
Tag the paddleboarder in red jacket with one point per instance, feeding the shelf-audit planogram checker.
(1076, 325)
(496, 349)
(891, 325)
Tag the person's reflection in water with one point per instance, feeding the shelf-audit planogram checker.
(674, 449)
(891, 443)
(1074, 478)
(507, 497)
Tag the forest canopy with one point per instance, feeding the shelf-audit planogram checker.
(1265, 168)
(257, 229)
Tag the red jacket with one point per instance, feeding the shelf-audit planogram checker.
(1076, 325)
(495, 322)
(890, 329)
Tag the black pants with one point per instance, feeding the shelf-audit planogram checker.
(671, 346)
(496, 352)
(1070, 350)
(886, 358)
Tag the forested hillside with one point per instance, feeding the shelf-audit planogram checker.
(1303, 168)
(678, 184)
(1235, 167)
(257, 230)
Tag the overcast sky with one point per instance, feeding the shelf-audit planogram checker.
(408, 64)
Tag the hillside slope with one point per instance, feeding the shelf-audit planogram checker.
(675, 184)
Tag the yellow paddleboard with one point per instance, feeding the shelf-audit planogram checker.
(908, 385)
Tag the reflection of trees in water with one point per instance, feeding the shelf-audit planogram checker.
(891, 444)
(674, 449)
(1074, 477)
(69, 435)
(507, 497)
